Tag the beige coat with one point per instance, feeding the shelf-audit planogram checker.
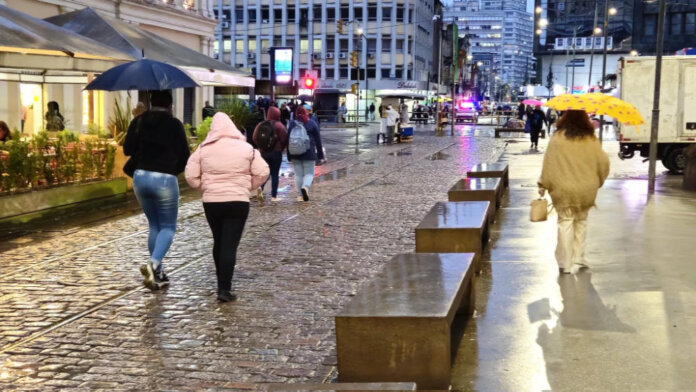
(573, 171)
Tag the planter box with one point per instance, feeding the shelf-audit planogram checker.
(23, 207)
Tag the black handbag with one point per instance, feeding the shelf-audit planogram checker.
(132, 162)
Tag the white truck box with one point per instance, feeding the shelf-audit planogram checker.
(677, 125)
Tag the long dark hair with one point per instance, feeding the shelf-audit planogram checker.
(575, 124)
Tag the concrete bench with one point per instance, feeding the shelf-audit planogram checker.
(478, 189)
(357, 386)
(398, 327)
(455, 227)
(498, 131)
(488, 170)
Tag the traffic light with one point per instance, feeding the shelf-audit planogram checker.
(354, 58)
(309, 80)
(354, 88)
(339, 26)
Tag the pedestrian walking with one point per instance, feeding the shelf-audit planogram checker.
(208, 110)
(304, 150)
(342, 110)
(271, 138)
(521, 110)
(537, 120)
(372, 111)
(157, 145)
(574, 168)
(226, 168)
(392, 116)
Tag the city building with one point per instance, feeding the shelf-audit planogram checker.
(570, 41)
(501, 34)
(190, 23)
(394, 41)
(680, 26)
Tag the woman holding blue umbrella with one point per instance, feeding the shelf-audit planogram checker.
(157, 144)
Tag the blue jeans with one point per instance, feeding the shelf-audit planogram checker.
(304, 174)
(274, 160)
(158, 195)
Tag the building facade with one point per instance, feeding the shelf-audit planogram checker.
(501, 34)
(189, 22)
(680, 26)
(393, 38)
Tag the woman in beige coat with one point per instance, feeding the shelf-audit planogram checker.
(575, 167)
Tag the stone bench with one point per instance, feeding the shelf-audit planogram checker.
(373, 386)
(478, 189)
(455, 227)
(398, 328)
(498, 131)
(488, 170)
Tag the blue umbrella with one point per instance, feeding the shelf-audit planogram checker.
(142, 74)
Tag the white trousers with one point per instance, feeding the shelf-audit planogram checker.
(572, 230)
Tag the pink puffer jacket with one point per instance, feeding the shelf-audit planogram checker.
(225, 166)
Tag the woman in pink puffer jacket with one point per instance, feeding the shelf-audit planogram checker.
(226, 168)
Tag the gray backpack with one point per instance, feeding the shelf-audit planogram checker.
(298, 143)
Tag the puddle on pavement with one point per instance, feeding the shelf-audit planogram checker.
(333, 175)
(369, 163)
(438, 156)
(400, 153)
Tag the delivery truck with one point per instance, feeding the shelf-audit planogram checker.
(677, 125)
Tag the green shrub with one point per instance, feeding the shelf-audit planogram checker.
(238, 110)
(203, 130)
(119, 121)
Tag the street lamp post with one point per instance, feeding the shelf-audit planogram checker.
(439, 72)
(656, 98)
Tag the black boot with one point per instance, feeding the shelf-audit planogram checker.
(226, 296)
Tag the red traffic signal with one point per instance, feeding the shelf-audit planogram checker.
(309, 83)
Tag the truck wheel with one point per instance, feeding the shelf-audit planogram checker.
(676, 160)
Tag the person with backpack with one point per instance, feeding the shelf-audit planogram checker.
(226, 168)
(304, 149)
(271, 138)
(537, 121)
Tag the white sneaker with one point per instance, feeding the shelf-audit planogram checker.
(300, 198)
(275, 199)
(260, 196)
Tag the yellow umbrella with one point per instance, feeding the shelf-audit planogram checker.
(598, 103)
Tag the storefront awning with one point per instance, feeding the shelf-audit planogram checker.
(140, 43)
(31, 43)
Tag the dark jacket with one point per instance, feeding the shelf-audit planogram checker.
(316, 151)
(160, 142)
(539, 124)
(278, 127)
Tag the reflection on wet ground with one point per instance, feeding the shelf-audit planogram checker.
(437, 156)
(333, 175)
(401, 153)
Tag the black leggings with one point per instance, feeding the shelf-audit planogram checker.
(226, 220)
(534, 135)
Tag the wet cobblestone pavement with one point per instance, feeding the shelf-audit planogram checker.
(73, 314)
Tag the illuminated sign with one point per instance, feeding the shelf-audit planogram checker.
(281, 66)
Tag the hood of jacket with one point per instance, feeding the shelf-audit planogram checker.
(273, 113)
(222, 127)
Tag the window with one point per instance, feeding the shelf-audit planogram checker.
(399, 15)
(239, 14)
(372, 12)
(386, 45)
(252, 45)
(239, 46)
(330, 14)
(290, 43)
(216, 47)
(357, 13)
(371, 73)
(304, 46)
(399, 46)
(343, 45)
(329, 74)
(291, 14)
(265, 45)
(690, 23)
(316, 46)
(277, 15)
(277, 41)
(330, 44)
(676, 25)
(252, 15)
(385, 73)
(649, 23)
(265, 14)
(343, 73)
(317, 12)
(386, 14)
(265, 71)
(227, 45)
(398, 73)
(371, 45)
(345, 14)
